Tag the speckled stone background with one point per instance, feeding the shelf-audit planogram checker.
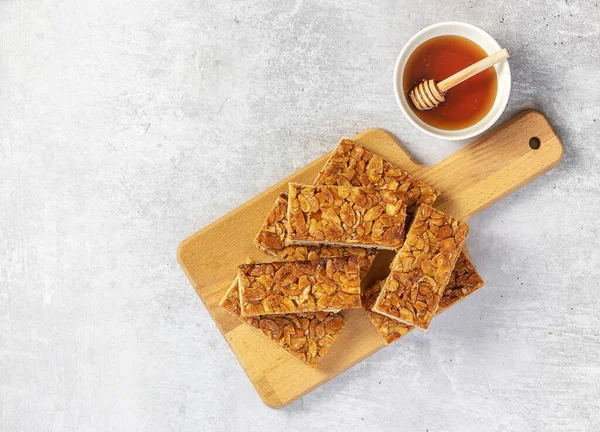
(127, 125)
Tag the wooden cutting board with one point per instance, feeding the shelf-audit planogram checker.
(470, 180)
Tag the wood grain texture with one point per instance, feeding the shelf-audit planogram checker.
(470, 180)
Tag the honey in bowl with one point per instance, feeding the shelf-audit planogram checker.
(466, 103)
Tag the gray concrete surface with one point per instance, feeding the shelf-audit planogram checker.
(127, 125)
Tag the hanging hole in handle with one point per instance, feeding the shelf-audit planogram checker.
(534, 143)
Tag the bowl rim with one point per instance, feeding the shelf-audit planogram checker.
(502, 71)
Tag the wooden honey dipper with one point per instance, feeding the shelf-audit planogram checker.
(429, 94)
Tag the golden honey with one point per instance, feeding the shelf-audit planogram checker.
(437, 59)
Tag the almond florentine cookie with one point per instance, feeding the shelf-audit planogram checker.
(422, 268)
(326, 284)
(464, 281)
(305, 336)
(346, 216)
(351, 164)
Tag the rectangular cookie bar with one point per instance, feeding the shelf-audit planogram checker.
(276, 288)
(305, 336)
(272, 234)
(422, 268)
(464, 281)
(351, 164)
(346, 216)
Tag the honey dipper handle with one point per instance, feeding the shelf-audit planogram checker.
(474, 69)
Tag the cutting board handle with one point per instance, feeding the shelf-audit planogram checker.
(495, 165)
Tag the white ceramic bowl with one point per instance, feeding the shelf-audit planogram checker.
(482, 39)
